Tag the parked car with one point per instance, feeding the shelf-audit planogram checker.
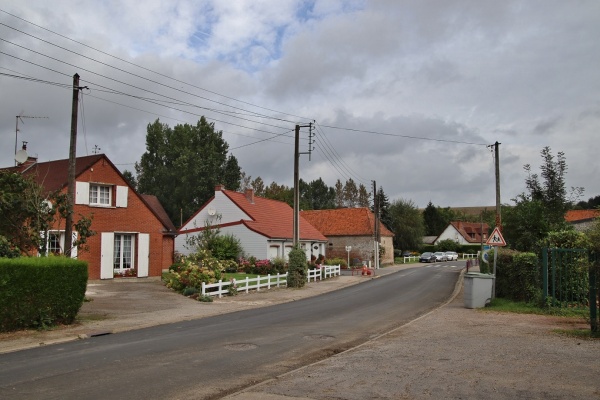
(440, 256)
(406, 253)
(427, 257)
(452, 255)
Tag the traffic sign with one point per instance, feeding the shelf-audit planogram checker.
(496, 238)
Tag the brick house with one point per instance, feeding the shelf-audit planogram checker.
(582, 220)
(351, 227)
(464, 233)
(133, 232)
(263, 226)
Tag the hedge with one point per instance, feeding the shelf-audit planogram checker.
(38, 292)
(518, 276)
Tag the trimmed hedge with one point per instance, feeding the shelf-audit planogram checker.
(518, 276)
(38, 292)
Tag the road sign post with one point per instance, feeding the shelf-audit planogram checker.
(497, 240)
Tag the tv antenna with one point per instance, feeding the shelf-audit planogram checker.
(20, 117)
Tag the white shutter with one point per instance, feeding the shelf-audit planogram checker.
(74, 249)
(107, 249)
(143, 254)
(82, 193)
(122, 196)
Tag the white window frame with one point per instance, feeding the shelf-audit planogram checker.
(95, 191)
(61, 241)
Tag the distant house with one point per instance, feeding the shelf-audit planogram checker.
(582, 220)
(263, 226)
(351, 227)
(464, 233)
(133, 232)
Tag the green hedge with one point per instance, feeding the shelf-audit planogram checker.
(38, 292)
(518, 276)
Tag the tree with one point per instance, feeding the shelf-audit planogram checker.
(350, 194)
(128, 175)
(364, 197)
(280, 192)
(322, 196)
(182, 166)
(407, 225)
(339, 194)
(29, 213)
(541, 209)
(434, 222)
(384, 205)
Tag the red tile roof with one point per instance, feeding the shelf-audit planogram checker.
(272, 218)
(344, 222)
(468, 228)
(581, 215)
(154, 204)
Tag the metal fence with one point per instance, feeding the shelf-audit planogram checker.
(570, 279)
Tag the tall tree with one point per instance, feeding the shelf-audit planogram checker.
(434, 221)
(350, 193)
(407, 225)
(384, 207)
(323, 196)
(541, 209)
(364, 196)
(182, 166)
(339, 194)
(280, 192)
(258, 185)
(128, 175)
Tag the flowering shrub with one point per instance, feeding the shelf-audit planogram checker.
(130, 272)
(191, 271)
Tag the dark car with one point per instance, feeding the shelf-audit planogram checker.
(427, 257)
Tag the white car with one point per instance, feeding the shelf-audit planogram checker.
(440, 256)
(452, 255)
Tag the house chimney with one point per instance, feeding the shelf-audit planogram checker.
(219, 188)
(249, 195)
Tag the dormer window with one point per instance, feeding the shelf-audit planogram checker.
(100, 195)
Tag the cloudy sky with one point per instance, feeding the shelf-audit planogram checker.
(407, 93)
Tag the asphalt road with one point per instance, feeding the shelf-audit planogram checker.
(211, 357)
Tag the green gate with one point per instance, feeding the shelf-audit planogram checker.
(570, 279)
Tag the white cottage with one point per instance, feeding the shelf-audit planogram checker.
(263, 226)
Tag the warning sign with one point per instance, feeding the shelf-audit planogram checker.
(496, 238)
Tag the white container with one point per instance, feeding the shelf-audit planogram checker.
(478, 289)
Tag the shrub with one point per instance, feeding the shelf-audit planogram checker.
(38, 292)
(194, 269)
(337, 261)
(518, 276)
(297, 268)
(279, 265)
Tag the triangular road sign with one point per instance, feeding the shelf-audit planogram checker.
(496, 238)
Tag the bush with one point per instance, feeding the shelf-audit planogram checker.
(518, 276)
(38, 292)
(297, 268)
(337, 261)
(194, 269)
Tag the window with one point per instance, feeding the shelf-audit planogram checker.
(123, 252)
(100, 195)
(54, 240)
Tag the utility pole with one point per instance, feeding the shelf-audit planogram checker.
(376, 227)
(71, 175)
(497, 162)
(296, 228)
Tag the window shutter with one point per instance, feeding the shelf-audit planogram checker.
(122, 196)
(74, 249)
(82, 193)
(107, 249)
(143, 254)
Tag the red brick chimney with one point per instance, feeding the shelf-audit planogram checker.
(219, 188)
(249, 195)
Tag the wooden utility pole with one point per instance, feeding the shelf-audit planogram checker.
(376, 227)
(71, 175)
(498, 211)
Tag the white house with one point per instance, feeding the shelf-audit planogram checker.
(263, 226)
(464, 233)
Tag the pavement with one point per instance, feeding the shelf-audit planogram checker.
(452, 352)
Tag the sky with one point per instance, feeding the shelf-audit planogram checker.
(409, 94)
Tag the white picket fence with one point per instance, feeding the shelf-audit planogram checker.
(245, 285)
(324, 272)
